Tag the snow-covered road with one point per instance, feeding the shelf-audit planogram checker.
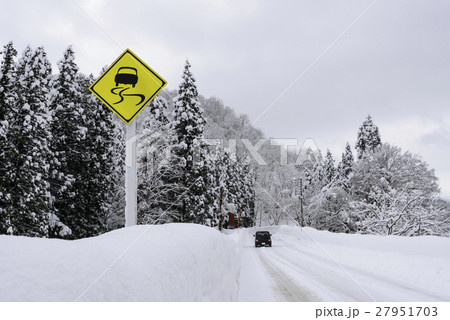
(317, 266)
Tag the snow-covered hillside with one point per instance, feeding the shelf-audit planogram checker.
(176, 262)
(185, 262)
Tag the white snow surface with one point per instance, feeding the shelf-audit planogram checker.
(173, 262)
(312, 265)
(186, 262)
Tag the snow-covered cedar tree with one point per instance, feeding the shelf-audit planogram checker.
(158, 109)
(114, 217)
(240, 189)
(347, 161)
(188, 121)
(393, 192)
(7, 96)
(101, 167)
(316, 175)
(329, 169)
(85, 166)
(345, 167)
(28, 136)
(222, 164)
(202, 201)
(66, 130)
(368, 138)
(307, 176)
(247, 205)
(188, 125)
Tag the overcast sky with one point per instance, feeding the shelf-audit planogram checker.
(393, 64)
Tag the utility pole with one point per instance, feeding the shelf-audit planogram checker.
(238, 219)
(301, 203)
(298, 182)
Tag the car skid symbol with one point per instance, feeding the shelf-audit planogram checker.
(122, 95)
(126, 75)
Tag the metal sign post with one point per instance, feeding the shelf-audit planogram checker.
(131, 177)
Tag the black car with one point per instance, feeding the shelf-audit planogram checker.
(126, 75)
(263, 238)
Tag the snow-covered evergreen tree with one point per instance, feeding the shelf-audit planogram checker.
(67, 151)
(96, 178)
(233, 185)
(345, 167)
(247, 206)
(188, 116)
(28, 134)
(347, 161)
(7, 78)
(7, 96)
(318, 174)
(241, 190)
(159, 119)
(308, 177)
(188, 125)
(84, 159)
(202, 200)
(221, 177)
(329, 169)
(114, 217)
(368, 137)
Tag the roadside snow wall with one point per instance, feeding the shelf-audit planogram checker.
(173, 262)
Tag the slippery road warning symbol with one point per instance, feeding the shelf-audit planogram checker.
(127, 86)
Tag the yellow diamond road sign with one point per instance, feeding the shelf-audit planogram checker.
(127, 86)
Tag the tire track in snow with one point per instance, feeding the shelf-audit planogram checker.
(285, 286)
(328, 281)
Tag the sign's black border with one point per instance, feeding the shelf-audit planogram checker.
(127, 121)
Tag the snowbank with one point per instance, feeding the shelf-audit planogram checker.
(416, 263)
(174, 262)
